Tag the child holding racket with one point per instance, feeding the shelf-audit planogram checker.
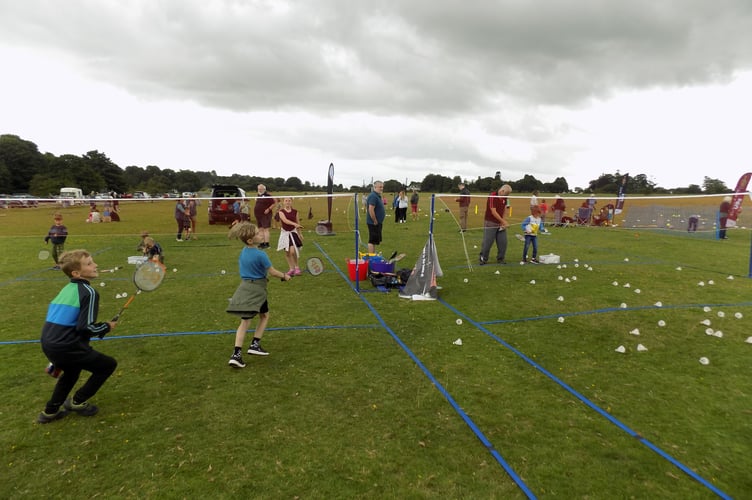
(71, 323)
(250, 298)
(57, 233)
(290, 239)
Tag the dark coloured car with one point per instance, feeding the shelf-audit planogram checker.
(223, 196)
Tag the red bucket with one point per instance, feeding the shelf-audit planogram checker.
(362, 269)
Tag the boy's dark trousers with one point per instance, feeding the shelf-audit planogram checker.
(72, 363)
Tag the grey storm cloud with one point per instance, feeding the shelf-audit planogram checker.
(417, 57)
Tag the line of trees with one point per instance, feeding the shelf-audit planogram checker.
(23, 169)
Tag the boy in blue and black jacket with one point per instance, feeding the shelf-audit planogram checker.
(71, 323)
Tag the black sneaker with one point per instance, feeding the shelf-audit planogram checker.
(85, 409)
(481, 260)
(46, 418)
(257, 350)
(236, 360)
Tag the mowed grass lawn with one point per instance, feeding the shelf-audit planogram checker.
(367, 395)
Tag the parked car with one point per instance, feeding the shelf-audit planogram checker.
(23, 200)
(141, 194)
(220, 204)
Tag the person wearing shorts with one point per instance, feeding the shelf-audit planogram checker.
(263, 211)
(375, 215)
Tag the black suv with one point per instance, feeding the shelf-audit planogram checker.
(220, 205)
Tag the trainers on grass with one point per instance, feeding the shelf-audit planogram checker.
(46, 418)
(236, 360)
(257, 350)
(85, 409)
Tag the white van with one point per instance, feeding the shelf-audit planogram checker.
(71, 196)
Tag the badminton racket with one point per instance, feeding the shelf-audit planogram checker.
(147, 278)
(314, 266)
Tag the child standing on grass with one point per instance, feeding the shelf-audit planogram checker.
(290, 239)
(71, 323)
(532, 225)
(250, 298)
(57, 233)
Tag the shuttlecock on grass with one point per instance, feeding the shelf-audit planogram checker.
(464, 280)
(641, 348)
(718, 334)
(621, 349)
(532, 282)
(567, 280)
(457, 342)
(658, 304)
(637, 290)
(730, 277)
(738, 315)
(574, 278)
(223, 272)
(627, 285)
(705, 322)
(174, 269)
(117, 296)
(661, 323)
(711, 282)
(704, 361)
(459, 321)
(561, 278)
(101, 284)
(560, 298)
(626, 259)
(706, 309)
(709, 331)
(749, 340)
(636, 331)
(561, 319)
(701, 283)
(497, 272)
(623, 305)
(721, 314)
(615, 283)
(678, 268)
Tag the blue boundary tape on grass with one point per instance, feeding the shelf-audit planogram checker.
(457, 408)
(590, 404)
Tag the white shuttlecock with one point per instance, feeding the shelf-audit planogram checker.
(721, 314)
(621, 349)
(497, 272)
(626, 259)
(561, 319)
(101, 284)
(678, 268)
(749, 340)
(576, 260)
(738, 315)
(661, 323)
(465, 280)
(567, 280)
(560, 298)
(711, 282)
(627, 285)
(730, 277)
(709, 331)
(704, 361)
(574, 278)
(590, 268)
(637, 290)
(475, 246)
(457, 342)
(563, 266)
(125, 294)
(706, 309)
(558, 267)
(615, 283)
(174, 269)
(223, 272)
(641, 348)
(117, 296)
(576, 265)
(623, 305)
(459, 321)
(718, 334)
(658, 304)
(532, 282)
(636, 331)
(701, 283)
(561, 278)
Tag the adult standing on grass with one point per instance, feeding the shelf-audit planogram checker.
(57, 234)
(375, 214)
(495, 226)
(414, 199)
(250, 298)
(71, 323)
(191, 208)
(558, 207)
(723, 217)
(262, 210)
(180, 215)
(464, 202)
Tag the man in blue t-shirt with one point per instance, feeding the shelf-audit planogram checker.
(375, 214)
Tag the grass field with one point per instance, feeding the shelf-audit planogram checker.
(366, 395)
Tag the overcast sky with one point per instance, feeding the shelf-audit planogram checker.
(387, 89)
